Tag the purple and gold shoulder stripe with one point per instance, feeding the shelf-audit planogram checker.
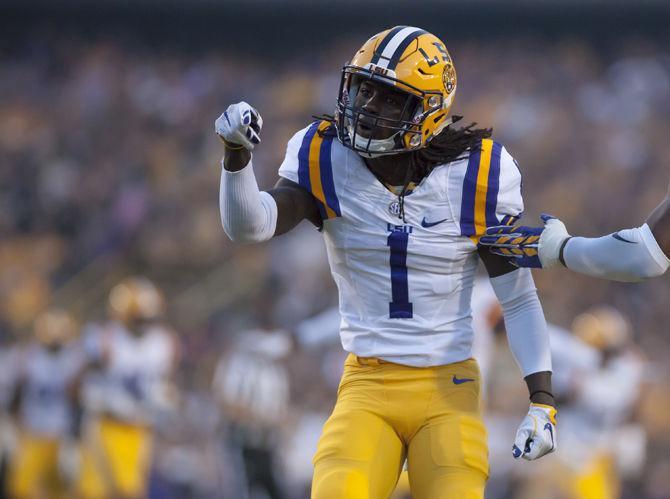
(315, 169)
(480, 190)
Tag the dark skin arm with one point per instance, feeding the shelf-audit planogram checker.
(234, 159)
(659, 223)
(539, 384)
(294, 204)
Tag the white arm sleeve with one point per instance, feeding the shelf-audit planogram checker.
(247, 215)
(526, 326)
(628, 255)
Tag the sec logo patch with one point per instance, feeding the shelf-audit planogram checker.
(394, 208)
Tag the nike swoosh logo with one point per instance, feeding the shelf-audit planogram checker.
(426, 223)
(619, 238)
(551, 432)
(460, 381)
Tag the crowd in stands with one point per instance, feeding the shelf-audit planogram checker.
(109, 167)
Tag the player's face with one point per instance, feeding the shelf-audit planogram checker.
(54, 347)
(380, 100)
(138, 326)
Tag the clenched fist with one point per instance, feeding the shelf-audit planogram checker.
(239, 126)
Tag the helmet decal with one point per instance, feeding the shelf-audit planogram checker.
(449, 77)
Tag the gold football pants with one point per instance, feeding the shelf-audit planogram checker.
(115, 460)
(387, 412)
(34, 470)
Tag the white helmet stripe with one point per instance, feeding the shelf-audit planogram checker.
(393, 45)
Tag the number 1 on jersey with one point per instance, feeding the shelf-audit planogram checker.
(400, 306)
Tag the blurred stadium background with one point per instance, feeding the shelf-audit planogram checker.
(109, 168)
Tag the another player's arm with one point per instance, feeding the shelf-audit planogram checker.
(659, 223)
(247, 214)
(628, 255)
(528, 338)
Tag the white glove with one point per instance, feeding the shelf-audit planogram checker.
(552, 238)
(536, 435)
(240, 124)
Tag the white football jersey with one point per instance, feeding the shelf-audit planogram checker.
(46, 407)
(252, 376)
(404, 286)
(131, 382)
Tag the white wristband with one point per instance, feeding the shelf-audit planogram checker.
(247, 214)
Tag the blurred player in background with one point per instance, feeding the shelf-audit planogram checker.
(597, 382)
(251, 385)
(401, 198)
(628, 255)
(602, 378)
(600, 418)
(9, 370)
(130, 360)
(45, 405)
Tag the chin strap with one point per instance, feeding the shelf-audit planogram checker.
(374, 147)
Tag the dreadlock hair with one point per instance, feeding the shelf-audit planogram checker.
(449, 145)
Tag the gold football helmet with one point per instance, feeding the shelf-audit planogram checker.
(604, 328)
(413, 62)
(135, 299)
(54, 328)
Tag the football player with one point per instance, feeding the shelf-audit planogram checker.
(45, 406)
(130, 358)
(251, 385)
(629, 255)
(401, 198)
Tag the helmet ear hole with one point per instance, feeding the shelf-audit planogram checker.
(415, 141)
(413, 108)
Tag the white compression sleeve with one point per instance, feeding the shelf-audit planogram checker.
(526, 326)
(247, 214)
(629, 255)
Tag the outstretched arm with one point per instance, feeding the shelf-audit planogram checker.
(659, 223)
(247, 214)
(629, 255)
